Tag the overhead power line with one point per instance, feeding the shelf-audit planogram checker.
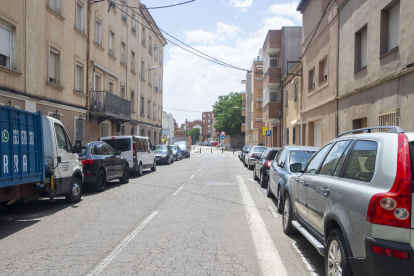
(182, 110)
(163, 7)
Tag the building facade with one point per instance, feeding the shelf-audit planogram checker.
(207, 126)
(168, 127)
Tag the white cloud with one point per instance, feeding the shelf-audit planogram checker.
(241, 4)
(227, 30)
(287, 9)
(223, 31)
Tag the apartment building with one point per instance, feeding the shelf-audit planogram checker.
(168, 127)
(376, 58)
(207, 125)
(79, 62)
(320, 67)
(43, 59)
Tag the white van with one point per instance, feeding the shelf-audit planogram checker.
(136, 149)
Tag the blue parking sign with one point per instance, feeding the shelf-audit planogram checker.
(223, 137)
(268, 133)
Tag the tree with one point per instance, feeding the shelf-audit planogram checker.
(194, 133)
(227, 112)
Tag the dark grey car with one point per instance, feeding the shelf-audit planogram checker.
(262, 165)
(279, 171)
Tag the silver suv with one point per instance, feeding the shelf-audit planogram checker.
(353, 202)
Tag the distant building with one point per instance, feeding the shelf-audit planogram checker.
(167, 128)
(207, 126)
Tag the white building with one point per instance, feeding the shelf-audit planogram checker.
(167, 127)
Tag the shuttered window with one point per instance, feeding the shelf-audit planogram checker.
(80, 16)
(134, 23)
(5, 46)
(53, 65)
(79, 77)
(155, 111)
(133, 101)
(123, 92)
(123, 53)
(111, 86)
(364, 48)
(111, 43)
(79, 129)
(142, 105)
(394, 27)
(155, 82)
(149, 75)
(98, 32)
(133, 61)
(325, 69)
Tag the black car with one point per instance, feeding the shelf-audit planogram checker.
(101, 164)
(262, 165)
(244, 151)
(163, 154)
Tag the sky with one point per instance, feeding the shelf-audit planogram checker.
(232, 31)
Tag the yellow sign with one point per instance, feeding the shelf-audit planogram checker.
(264, 130)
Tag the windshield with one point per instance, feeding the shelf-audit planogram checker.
(300, 156)
(259, 149)
(174, 148)
(161, 148)
(182, 146)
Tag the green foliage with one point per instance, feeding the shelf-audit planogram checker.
(194, 133)
(227, 112)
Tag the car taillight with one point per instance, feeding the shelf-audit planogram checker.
(390, 252)
(267, 164)
(252, 155)
(87, 162)
(134, 149)
(394, 207)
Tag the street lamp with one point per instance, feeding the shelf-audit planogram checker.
(152, 68)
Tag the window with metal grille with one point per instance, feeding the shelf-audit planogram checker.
(54, 64)
(80, 16)
(387, 119)
(79, 77)
(79, 129)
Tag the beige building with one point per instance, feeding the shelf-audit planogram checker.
(79, 63)
(376, 56)
(320, 63)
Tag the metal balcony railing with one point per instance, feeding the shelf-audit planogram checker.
(107, 102)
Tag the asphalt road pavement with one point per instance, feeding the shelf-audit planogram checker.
(200, 216)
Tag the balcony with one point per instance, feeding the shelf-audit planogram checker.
(104, 105)
(272, 76)
(243, 111)
(243, 96)
(243, 127)
(271, 112)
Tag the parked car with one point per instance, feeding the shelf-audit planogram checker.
(250, 157)
(177, 152)
(262, 165)
(101, 164)
(136, 149)
(280, 172)
(184, 147)
(353, 202)
(244, 151)
(163, 154)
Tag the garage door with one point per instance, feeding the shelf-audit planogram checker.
(317, 134)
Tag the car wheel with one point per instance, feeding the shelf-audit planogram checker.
(249, 167)
(279, 202)
(181, 157)
(269, 191)
(254, 174)
(337, 257)
(244, 163)
(263, 181)
(140, 169)
(100, 182)
(154, 166)
(125, 176)
(172, 160)
(75, 193)
(287, 216)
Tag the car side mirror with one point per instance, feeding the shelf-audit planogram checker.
(118, 152)
(78, 146)
(296, 168)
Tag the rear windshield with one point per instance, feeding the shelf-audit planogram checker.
(259, 149)
(182, 146)
(119, 144)
(173, 147)
(300, 156)
(271, 155)
(83, 153)
(161, 148)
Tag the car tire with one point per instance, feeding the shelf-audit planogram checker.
(263, 181)
(154, 166)
(140, 169)
(181, 157)
(75, 193)
(100, 182)
(287, 216)
(172, 160)
(269, 191)
(337, 256)
(254, 174)
(279, 202)
(249, 167)
(125, 176)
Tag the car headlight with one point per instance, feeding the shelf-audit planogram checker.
(164, 155)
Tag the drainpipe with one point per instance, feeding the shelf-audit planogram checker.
(337, 70)
(87, 60)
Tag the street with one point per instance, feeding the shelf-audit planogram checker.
(200, 216)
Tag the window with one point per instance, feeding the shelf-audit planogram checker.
(109, 149)
(323, 70)
(159, 113)
(124, 12)
(132, 61)
(295, 90)
(390, 28)
(273, 61)
(62, 138)
(149, 75)
(5, 46)
(156, 51)
(155, 111)
(142, 105)
(111, 86)
(160, 58)
(143, 35)
(311, 79)
(287, 136)
(361, 48)
(134, 23)
(300, 156)
(98, 32)
(359, 123)
(155, 82)
(55, 5)
(142, 70)
(160, 88)
(80, 16)
(79, 129)
(123, 92)
(361, 161)
(150, 45)
(79, 77)
(132, 130)
(287, 98)
(149, 134)
(387, 119)
(112, 43)
(97, 83)
(149, 109)
(54, 66)
(122, 130)
(133, 101)
(316, 161)
(293, 135)
(123, 53)
(101, 149)
(299, 134)
(333, 157)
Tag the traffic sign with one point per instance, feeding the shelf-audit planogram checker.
(264, 130)
(268, 133)
(223, 133)
(223, 137)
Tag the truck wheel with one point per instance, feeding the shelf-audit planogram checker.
(140, 169)
(337, 257)
(154, 166)
(75, 193)
(125, 177)
(287, 216)
(100, 182)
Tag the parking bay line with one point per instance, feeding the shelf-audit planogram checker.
(192, 176)
(179, 189)
(260, 193)
(272, 211)
(104, 263)
(308, 266)
(267, 254)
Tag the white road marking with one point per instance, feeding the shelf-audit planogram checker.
(222, 155)
(104, 263)
(179, 189)
(192, 176)
(199, 169)
(308, 265)
(260, 193)
(267, 254)
(272, 211)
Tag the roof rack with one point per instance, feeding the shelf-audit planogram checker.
(391, 129)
